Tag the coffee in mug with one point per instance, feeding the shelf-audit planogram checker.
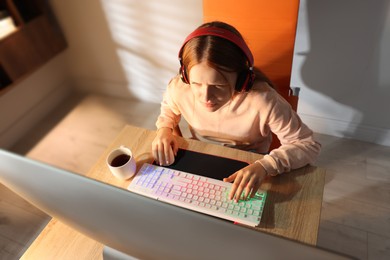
(120, 160)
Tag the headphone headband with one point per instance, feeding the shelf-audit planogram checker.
(222, 33)
(245, 78)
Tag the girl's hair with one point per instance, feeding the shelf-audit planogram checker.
(219, 53)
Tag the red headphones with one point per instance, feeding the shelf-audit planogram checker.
(245, 79)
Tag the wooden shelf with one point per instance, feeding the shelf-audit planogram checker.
(37, 39)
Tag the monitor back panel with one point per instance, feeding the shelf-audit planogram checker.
(138, 226)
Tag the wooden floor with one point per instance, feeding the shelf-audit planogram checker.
(355, 217)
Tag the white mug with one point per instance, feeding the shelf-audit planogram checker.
(122, 163)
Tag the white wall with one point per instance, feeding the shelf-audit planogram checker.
(126, 48)
(342, 64)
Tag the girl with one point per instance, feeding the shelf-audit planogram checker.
(226, 100)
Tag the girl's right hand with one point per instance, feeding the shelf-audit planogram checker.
(164, 147)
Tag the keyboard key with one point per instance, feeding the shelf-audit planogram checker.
(175, 192)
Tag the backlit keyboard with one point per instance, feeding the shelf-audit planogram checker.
(198, 193)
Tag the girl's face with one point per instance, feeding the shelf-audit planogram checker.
(212, 88)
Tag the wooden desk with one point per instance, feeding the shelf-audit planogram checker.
(292, 209)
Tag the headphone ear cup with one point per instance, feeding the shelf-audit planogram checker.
(242, 81)
(183, 75)
(245, 81)
(251, 80)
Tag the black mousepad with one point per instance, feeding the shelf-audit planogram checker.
(206, 165)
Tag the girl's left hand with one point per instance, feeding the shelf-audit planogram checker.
(248, 179)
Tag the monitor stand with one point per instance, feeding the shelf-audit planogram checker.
(113, 254)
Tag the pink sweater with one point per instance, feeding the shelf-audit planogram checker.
(246, 123)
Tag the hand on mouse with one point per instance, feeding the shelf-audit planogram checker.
(247, 180)
(164, 147)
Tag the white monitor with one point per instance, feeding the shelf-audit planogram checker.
(139, 226)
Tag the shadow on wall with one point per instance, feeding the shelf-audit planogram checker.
(126, 48)
(147, 37)
(349, 60)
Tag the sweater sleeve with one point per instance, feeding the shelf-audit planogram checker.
(170, 114)
(298, 147)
